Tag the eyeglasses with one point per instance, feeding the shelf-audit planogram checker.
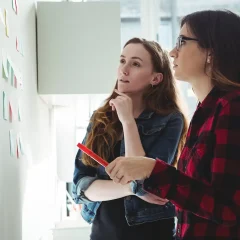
(181, 39)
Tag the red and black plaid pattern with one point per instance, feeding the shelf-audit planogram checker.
(206, 186)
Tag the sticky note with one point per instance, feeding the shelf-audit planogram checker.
(6, 22)
(5, 107)
(5, 74)
(12, 143)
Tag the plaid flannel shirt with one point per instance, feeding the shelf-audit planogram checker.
(206, 186)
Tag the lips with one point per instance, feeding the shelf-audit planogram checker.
(124, 81)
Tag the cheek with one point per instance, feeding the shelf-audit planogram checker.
(198, 65)
(198, 58)
(118, 71)
(193, 62)
(142, 76)
(141, 80)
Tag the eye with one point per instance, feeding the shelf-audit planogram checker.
(136, 64)
(182, 42)
(122, 60)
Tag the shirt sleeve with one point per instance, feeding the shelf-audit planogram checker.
(218, 201)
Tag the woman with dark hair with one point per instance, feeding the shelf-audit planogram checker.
(206, 186)
(141, 117)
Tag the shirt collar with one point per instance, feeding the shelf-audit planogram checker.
(211, 99)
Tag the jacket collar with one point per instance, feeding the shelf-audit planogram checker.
(146, 114)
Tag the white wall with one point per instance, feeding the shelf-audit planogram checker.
(25, 209)
(78, 47)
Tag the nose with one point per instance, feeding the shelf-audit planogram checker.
(125, 70)
(173, 53)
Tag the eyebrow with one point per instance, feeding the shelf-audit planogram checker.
(181, 35)
(133, 58)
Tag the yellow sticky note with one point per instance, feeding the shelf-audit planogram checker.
(6, 22)
(5, 74)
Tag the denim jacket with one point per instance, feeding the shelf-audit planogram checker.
(159, 136)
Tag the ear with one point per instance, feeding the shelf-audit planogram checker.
(209, 57)
(157, 79)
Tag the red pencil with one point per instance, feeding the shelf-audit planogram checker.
(93, 155)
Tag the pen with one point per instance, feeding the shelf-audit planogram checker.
(93, 155)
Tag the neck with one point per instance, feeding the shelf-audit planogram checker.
(202, 88)
(138, 105)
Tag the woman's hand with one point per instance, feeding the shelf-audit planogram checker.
(123, 105)
(126, 169)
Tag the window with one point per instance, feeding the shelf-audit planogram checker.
(86, 105)
(130, 27)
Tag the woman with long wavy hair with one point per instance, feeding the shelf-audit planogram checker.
(142, 117)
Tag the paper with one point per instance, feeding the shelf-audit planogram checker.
(4, 65)
(13, 73)
(17, 45)
(6, 22)
(12, 77)
(5, 107)
(20, 144)
(15, 81)
(12, 143)
(10, 112)
(17, 148)
(14, 7)
(10, 72)
(19, 113)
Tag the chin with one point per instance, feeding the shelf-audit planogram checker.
(178, 77)
(125, 91)
(122, 89)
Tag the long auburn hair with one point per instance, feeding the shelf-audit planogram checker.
(219, 32)
(161, 99)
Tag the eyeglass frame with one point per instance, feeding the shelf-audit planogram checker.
(180, 38)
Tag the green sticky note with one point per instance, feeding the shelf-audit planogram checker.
(12, 143)
(4, 73)
(5, 107)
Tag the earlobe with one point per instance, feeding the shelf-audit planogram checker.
(209, 57)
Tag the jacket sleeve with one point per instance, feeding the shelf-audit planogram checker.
(83, 177)
(165, 147)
